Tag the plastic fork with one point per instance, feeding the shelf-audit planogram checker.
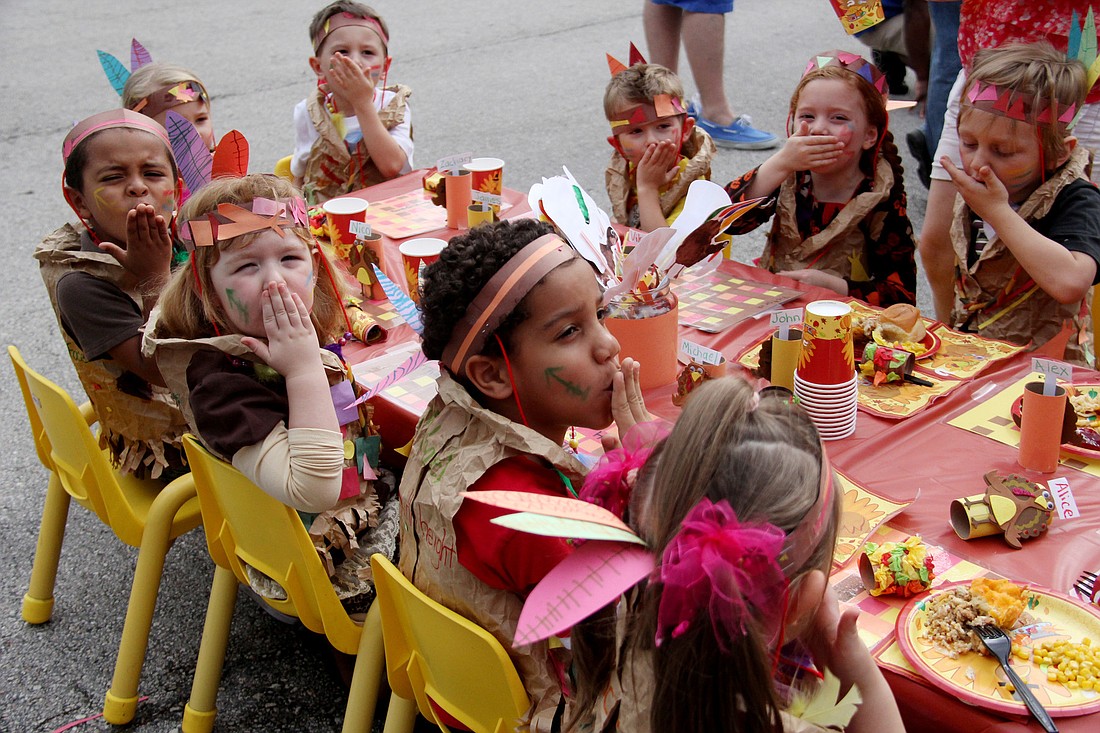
(1086, 586)
(999, 645)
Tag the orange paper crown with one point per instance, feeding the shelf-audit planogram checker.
(663, 105)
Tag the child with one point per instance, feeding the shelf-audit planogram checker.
(1027, 241)
(836, 188)
(103, 279)
(354, 131)
(514, 315)
(658, 149)
(238, 337)
(741, 513)
(157, 88)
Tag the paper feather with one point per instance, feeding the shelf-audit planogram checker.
(116, 73)
(823, 707)
(574, 529)
(405, 306)
(1074, 45)
(638, 262)
(1087, 52)
(230, 157)
(138, 55)
(192, 156)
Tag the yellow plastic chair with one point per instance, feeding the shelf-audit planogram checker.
(282, 169)
(437, 657)
(143, 514)
(246, 526)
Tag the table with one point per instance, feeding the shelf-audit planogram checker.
(894, 458)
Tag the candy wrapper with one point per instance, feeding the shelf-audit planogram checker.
(897, 568)
(363, 327)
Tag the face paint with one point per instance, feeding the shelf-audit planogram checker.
(241, 308)
(552, 376)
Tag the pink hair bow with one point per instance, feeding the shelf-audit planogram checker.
(728, 568)
(611, 482)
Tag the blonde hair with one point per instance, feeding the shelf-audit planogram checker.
(190, 309)
(1041, 75)
(764, 459)
(151, 78)
(640, 83)
(357, 9)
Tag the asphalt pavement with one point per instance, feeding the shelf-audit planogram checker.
(521, 81)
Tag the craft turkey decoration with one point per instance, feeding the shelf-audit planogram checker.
(1011, 505)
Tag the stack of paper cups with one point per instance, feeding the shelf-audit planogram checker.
(825, 380)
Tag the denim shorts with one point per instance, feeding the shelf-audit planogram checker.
(715, 7)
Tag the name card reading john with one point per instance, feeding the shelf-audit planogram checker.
(785, 319)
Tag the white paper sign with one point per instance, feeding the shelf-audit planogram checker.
(453, 163)
(700, 354)
(784, 319)
(491, 199)
(1052, 371)
(1065, 507)
(359, 228)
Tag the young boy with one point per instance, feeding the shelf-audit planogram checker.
(1027, 241)
(658, 149)
(350, 133)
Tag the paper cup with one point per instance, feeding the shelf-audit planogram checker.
(972, 517)
(339, 214)
(1041, 427)
(652, 342)
(415, 251)
(488, 174)
(367, 251)
(827, 355)
(858, 15)
(785, 358)
(477, 214)
(457, 187)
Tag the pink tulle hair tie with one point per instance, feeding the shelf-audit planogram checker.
(611, 482)
(724, 568)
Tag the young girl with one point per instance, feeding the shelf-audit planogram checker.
(741, 514)
(1027, 242)
(103, 279)
(514, 315)
(836, 188)
(157, 88)
(239, 336)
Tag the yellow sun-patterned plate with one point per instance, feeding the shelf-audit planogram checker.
(979, 680)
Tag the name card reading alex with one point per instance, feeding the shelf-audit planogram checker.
(454, 163)
(700, 354)
(1052, 371)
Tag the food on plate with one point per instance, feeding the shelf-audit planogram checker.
(1086, 403)
(949, 615)
(900, 326)
(1073, 664)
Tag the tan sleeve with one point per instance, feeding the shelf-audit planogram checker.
(300, 467)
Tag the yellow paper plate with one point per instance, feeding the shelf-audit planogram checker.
(979, 680)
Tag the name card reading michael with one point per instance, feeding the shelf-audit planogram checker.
(700, 354)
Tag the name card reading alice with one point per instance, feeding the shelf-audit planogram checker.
(700, 354)
(454, 163)
(1064, 503)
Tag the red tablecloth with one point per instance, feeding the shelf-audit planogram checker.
(895, 458)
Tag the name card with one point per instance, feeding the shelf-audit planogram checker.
(1052, 371)
(784, 319)
(700, 354)
(490, 199)
(1065, 507)
(359, 228)
(453, 163)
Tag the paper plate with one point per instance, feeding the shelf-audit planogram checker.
(1086, 438)
(979, 680)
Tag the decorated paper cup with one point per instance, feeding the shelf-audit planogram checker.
(339, 214)
(457, 187)
(858, 15)
(827, 355)
(477, 214)
(488, 175)
(414, 252)
(1041, 427)
(785, 358)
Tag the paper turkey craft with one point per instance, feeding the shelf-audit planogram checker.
(1011, 504)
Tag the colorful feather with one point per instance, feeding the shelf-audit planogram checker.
(192, 156)
(116, 73)
(405, 306)
(1074, 45)
(138, 55)
(230, 156)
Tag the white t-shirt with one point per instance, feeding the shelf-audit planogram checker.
(305, 134)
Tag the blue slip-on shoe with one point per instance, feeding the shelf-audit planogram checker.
(740, 134)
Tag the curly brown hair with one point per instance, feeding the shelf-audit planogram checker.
(465, 265)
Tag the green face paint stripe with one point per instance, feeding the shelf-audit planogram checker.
(234, 301)
(552, 376)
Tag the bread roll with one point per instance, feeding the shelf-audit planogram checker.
(900, 322)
